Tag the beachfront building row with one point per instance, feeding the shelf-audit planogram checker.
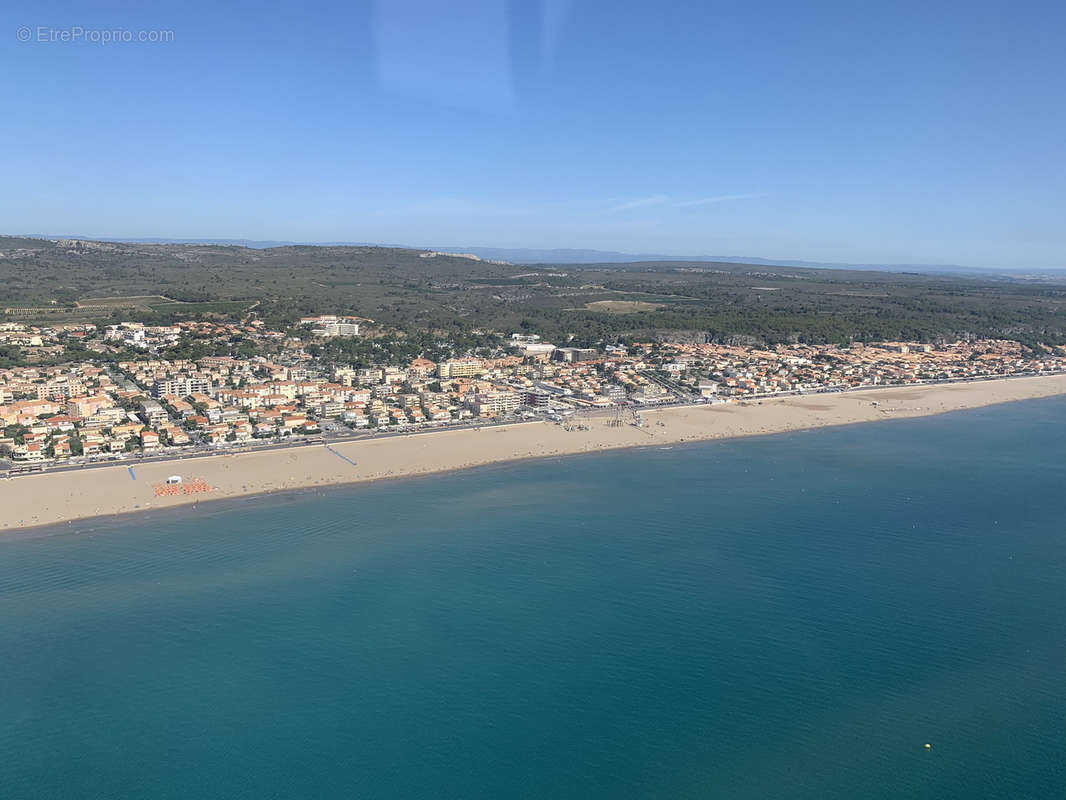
(424, 392)
(154, 404)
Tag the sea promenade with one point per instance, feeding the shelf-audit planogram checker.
(63, 496)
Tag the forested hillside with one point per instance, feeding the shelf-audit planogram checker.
(404, 289)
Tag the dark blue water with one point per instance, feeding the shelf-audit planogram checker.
(792, 616)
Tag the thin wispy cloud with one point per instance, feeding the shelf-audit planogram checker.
(640, 202)
(706, 201)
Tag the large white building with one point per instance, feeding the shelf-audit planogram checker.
(575, 354)
(153, 413)
(491, 404)
(130, 333)
(329, 325)
(460, 368)
(531, 345)
(182, 387)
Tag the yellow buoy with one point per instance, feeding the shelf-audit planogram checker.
(928, 746)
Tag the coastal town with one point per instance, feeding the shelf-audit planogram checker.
(119, 396)
(507, 399)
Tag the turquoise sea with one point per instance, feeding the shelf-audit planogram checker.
(793, 616)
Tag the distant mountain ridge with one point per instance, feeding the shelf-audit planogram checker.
(528, 255)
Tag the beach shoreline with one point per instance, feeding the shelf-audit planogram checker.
(43, 499)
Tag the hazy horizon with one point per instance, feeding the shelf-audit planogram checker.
(561, 255)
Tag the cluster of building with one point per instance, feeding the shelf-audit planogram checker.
(156, 337)
(136, 334)
(329, 325)
(152, 404)
(41, 342)
(723, 371)
(25, 335)
(75, 410)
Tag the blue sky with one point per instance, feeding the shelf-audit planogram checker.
(854, 132)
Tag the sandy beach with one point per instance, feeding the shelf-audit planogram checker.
(44, 499)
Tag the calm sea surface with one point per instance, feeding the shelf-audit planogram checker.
(787, 617)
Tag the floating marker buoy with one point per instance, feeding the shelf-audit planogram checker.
(928, 746)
